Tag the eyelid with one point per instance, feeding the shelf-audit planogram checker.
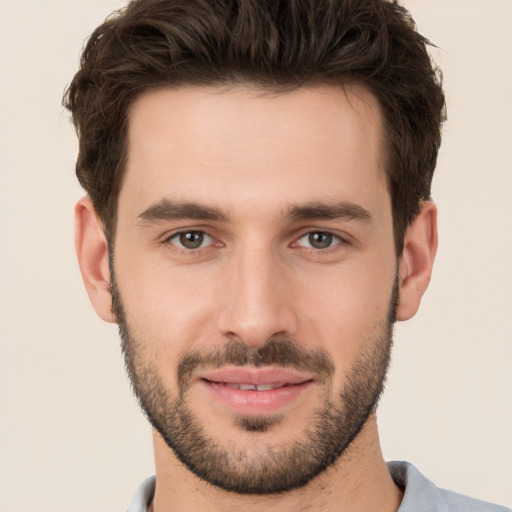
(336, 240)
(340, 238)
(170, 238)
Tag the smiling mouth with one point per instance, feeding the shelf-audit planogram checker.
(255, 391)
(254, 387)
(255, 379)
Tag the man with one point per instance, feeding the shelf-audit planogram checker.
(258, 217)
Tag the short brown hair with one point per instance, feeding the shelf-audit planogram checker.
(273, 44)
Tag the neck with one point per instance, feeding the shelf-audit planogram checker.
(359, 480)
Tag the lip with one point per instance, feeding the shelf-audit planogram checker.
(219, 384)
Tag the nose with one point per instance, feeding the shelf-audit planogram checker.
(257, 298)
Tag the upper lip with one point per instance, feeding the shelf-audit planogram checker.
(255, 376)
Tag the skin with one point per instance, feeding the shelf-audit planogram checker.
(255, 156)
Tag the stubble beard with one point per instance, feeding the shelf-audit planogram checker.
(275, 469)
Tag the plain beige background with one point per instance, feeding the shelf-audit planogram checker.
(71, 435)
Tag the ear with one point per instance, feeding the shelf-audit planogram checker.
(92, 252)
(417, 259)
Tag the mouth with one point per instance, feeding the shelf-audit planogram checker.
(255, 391)
(255, 387)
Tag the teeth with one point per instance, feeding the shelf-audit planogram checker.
(267, 387)
(254, 387)
(241, 387)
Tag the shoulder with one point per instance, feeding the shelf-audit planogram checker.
(143, 496)
(421, 495)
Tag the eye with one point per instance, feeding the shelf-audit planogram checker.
(319, 240)
(191, 240)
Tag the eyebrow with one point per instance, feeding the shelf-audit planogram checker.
(166, 209)
(172, 210)
(329, 211)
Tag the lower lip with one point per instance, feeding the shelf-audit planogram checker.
(257, 402)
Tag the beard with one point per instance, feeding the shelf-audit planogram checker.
(335, 423)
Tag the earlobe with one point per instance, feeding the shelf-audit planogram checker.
(417, 259)
(92, 252)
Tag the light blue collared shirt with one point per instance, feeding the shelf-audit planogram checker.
(420, 494)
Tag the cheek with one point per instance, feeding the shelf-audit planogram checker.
(171, 309)
(345, 311)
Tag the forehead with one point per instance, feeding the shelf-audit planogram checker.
(218, 144)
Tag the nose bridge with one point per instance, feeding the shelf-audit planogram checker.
(258, 301)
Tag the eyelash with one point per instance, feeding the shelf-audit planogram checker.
(187, 250)
(336, 239)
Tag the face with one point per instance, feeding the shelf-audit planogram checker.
(254, 277)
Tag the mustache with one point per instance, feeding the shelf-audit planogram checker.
(276, 352)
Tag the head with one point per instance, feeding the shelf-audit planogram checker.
(258, 175)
